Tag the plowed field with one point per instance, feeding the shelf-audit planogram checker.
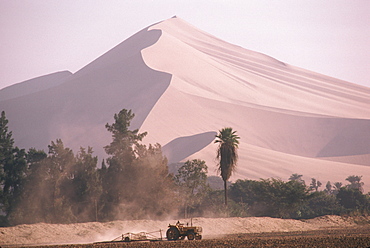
(349, 237)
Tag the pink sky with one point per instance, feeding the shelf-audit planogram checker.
(40, 37)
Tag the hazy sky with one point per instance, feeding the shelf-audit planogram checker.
(39, 37)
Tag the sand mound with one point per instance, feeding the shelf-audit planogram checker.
(183, 85)
(94, 231)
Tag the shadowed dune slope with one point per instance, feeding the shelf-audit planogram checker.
(34, 85)
(77, 110)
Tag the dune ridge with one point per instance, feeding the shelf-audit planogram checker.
(289, 119)
(184, 84)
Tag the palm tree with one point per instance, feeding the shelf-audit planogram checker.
(355, 182)
(227, 154)
(297, 177)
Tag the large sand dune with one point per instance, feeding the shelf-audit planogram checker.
(184, 85)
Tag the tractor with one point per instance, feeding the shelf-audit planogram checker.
(181, 231)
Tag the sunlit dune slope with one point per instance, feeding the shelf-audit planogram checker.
(206, 66)
(288, 118)
(184, 85)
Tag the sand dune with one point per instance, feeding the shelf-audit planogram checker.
(34, 85)
(297, 116)
(184, 85)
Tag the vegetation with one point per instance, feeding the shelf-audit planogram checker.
(227, 154)
(191, 180)
(134, 183)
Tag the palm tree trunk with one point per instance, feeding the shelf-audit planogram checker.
(225, 187)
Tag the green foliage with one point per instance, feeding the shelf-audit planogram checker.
(320, 203)
(34, 197)
(296, 177)
(60, 164)
(355, 182)
(336, 187)
(191, 180)
(328, 188)
(153, 186)
(227, 154)
(86, 186)
(59, 187)
(292, 199)
(120, 173)
(352, 199)
(136, 182)
(315, 185)
(12, 168)
(213, 206)
(192, 176)
(270, 197)
(121, 147)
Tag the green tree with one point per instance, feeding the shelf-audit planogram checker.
(297, 177)
(227, 154)
(121, 148)
(32, 207)
(12, 168)
(355, 182)
(192, 181)
(315, 185)
(120, 171)
(352, 199)
(59, 187)
(87, 186)
(48, 188)
(153, 187)
(320, 203)
(59, 168)
(212, 205)
(136, 182)
(328, 188)
(270, 197)
(336, 187)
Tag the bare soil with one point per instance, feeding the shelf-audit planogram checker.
(349, 237)
(326, 231)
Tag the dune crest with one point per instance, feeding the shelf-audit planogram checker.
(184, 84)
(289, 119)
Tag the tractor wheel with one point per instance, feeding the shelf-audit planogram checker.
(191, 236)
(198, 237)
(173, 233)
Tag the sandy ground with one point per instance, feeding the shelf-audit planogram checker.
(43, 234)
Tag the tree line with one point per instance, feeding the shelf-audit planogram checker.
(62, 187)
(133, 182)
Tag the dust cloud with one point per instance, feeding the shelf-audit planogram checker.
(95, 232)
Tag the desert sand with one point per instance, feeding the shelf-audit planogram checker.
(43, 234)
(290, 120)
(184, 85)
